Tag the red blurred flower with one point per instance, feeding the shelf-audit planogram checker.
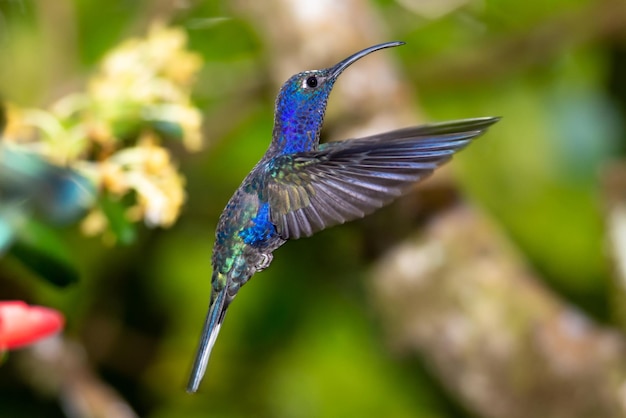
(21, 324)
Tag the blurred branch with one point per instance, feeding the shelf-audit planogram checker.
(460, 295)
(59, 368)
(599, 20)
(614, 184)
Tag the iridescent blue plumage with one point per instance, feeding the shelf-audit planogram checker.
(293, 132)
(300, 187)
(261, 228)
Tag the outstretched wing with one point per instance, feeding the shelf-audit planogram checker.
(346, 180)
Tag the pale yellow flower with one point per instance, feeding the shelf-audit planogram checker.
(148, 170)
(109, 132)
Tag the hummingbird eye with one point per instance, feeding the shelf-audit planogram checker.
(311, 82)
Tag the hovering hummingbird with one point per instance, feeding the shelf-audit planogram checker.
(300, 186)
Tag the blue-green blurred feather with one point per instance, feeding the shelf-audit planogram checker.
(60, 194)
(6, 235)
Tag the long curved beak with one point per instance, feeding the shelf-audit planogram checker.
(339, 67)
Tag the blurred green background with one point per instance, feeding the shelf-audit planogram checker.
(302, 339)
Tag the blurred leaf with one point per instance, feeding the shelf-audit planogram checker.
(6, 235)
(3, 118)
(39, 248)
(168, 129)
(120, 225)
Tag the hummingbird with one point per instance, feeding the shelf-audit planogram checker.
(300, 187)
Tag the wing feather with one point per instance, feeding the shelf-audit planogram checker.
(342, 181)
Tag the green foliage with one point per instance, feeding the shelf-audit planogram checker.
(300, 339)
(40, 249)
(121, 227)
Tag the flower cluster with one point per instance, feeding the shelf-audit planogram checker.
(113, 133)
(149, 81)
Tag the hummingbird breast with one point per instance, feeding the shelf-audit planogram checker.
(245, 236)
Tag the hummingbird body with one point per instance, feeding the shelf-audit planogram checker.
(300, 187)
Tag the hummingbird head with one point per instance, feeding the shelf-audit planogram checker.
(301, 103)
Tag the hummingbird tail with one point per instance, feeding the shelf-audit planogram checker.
(211, 328)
